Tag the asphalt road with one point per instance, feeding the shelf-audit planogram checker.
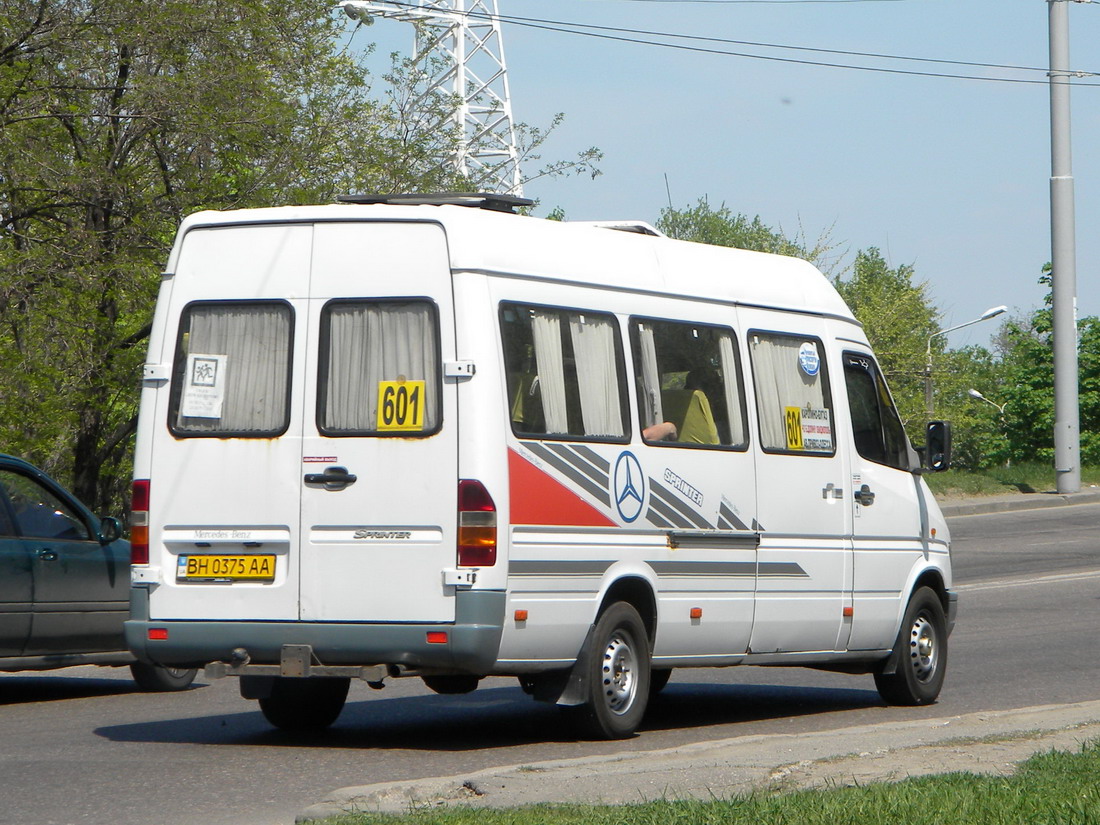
(81, 746)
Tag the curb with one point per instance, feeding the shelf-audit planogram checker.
(982, 742)
(1012, 503)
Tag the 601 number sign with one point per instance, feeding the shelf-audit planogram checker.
(400, 405)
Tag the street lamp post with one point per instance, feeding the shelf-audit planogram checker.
(1000, 409)
(992, 312)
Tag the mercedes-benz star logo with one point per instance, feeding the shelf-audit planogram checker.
(629, 486)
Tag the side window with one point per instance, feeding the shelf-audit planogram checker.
(689, 384)
(876, 427)
(380, 369)
(39, 513)
(565, 372)
(232, 370)
(792, 394)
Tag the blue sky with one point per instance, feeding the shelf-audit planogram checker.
(950, 176)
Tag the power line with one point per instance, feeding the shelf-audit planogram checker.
(619, 34)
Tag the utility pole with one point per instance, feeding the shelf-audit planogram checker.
(1067, 436)
(458, 43)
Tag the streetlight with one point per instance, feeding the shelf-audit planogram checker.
(992, 312)
(980, 397)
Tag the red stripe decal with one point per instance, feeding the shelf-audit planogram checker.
(539, 499)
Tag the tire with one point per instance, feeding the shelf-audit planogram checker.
(920, 652)
(160, 679)
(617, 673)
(305, 704)
(658, 679)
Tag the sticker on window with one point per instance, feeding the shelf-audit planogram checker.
(808, 359)
(401, 405)
(204, 389)
(808, 430)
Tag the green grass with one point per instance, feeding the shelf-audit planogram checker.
(1054, 788)
(1019, 478)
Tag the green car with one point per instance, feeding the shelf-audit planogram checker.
(64, 582)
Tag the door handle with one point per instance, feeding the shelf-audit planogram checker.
(333, 478)
(864, 496)
(46, 554)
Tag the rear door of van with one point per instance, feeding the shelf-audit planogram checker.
(225, 465)
(380, 447)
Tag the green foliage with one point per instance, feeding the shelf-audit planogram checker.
(118, 118)
(720, 226)
(1028, 385)
(897, 317)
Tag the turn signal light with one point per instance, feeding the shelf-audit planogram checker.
(139, 522)
(477, 525)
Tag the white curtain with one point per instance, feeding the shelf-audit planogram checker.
(546, 332)
(593, 339)
(372, 342)
(650, 397)
(782, 383)
(733, 396)
(255, 340)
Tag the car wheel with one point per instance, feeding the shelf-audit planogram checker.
(157, 678)
(305, 704)
(921, 654)
(617, 674)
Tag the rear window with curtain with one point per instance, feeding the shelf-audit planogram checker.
(231, 373)
(379, 369)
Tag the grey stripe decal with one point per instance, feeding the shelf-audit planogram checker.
(568, 469)
(740, 569)
(662, 508)
(576, 460)
(558, 568)
(726, 513)
(653, 518)
(665, 495)
(594, 457)
(781, 570)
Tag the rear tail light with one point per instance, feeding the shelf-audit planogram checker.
(477, 525)
(139, 522)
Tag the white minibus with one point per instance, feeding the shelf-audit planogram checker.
(426, 436)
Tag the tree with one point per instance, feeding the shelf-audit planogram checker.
(720, 226)
(119, 117)
(1028, 386)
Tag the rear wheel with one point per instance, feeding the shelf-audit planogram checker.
(617, 674)
(921, 654)
(156, 678)
(305, 704)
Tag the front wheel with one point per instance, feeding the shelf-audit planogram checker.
(157, 678)
(921, 654)
(617, 674)
(305, 704)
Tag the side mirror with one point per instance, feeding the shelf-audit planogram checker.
(110, 529)
(937, 449)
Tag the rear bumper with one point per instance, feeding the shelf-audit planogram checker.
(471, 646)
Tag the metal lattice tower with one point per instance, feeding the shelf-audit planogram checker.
(465, 34)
